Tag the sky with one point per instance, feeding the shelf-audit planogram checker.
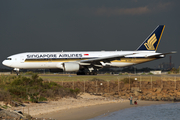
(87, 25)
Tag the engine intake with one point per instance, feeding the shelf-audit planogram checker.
(70, 67)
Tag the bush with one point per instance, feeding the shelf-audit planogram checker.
(29, 73)
(77, 91)
(32, 89)
(4, 95)
(126, 80)
(6, 79)
(143, 74)
(42, 99)
(150, 73)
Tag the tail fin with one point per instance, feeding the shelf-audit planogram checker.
(152, 41)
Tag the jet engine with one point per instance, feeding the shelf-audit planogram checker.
(71, 67)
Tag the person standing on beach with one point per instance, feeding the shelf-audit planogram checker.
(131, 98)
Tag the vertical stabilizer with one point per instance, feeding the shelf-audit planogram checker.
(152, 41)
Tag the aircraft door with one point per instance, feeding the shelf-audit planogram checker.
(22, 59)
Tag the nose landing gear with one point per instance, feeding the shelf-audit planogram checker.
(17, 70)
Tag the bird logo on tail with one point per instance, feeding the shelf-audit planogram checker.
(150, 43)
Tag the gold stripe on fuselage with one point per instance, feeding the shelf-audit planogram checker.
(134, 60)
(124, 60)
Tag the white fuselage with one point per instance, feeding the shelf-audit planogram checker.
(49, 60)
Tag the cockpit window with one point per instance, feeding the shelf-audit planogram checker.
(9, 59)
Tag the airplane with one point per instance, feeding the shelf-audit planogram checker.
(89, 62)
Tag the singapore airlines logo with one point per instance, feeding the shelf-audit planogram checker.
(150, 43)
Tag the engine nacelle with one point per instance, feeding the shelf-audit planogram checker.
(71, 67)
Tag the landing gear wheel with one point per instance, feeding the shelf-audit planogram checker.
(95, 73)
(80, 73)
(17, 73)
(87, 73)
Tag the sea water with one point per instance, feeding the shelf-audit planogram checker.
(154, 112)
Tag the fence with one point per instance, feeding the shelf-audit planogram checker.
(143, 82)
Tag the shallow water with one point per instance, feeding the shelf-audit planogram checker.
(154, 112)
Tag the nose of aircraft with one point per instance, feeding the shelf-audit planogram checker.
(6, 63)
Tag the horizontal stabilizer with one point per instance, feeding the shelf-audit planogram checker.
(172, 52)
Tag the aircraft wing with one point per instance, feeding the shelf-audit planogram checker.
(104, 59)
(157, 55)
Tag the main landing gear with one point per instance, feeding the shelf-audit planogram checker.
(87, 71)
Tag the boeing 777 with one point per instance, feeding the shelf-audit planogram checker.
(88, 62)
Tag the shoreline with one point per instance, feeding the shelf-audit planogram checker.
(92, 111)
(63, 104)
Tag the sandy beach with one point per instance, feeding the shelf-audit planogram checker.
(85, 107)
(84, 113)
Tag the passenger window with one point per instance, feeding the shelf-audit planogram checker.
(8, 59)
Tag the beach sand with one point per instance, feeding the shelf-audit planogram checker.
(87, 107)
(83, 100)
